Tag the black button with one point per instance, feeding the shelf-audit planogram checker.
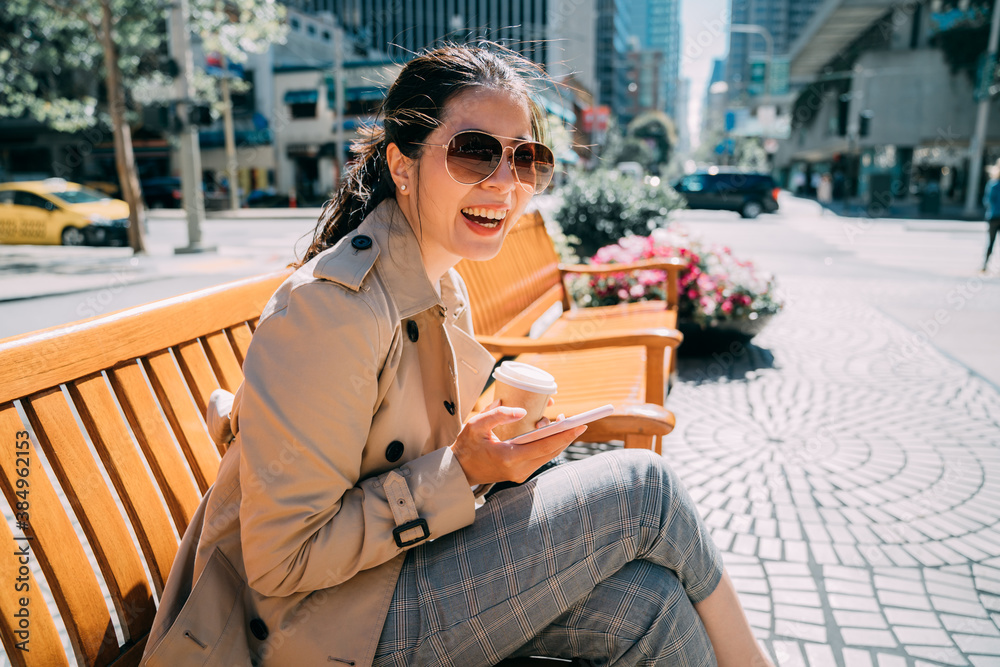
(361, 242)
(258, 629)
(412, 331)
(450, 407)
(394, 451)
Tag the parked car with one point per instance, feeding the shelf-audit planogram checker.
(720, 189)
(55, 211)
(162, 192)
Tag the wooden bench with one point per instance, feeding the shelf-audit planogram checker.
(114, 407)
(621, 354)
(108, 455)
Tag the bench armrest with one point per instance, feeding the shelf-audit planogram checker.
(672, 265)
(651, 338)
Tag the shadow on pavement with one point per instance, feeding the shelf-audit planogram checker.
(733, 361)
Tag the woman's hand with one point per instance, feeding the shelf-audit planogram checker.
(486, 459)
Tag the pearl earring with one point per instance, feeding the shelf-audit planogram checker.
(403, 187)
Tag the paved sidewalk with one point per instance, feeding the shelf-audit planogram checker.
(852, 478)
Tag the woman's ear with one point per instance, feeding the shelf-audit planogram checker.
(400, 168)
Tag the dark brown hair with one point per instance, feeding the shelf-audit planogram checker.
(412, 108)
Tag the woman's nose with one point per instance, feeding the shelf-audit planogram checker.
(503, 178)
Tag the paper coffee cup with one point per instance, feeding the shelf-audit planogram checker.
(522, 386)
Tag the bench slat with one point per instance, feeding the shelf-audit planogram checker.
(61, 556)
(223, 360)
(123, 464)
(166, 462)
(44, 359)
(44, 644)
(239, 338)
(182, 414)
(87, 491)
(132, 654)
(197, 372)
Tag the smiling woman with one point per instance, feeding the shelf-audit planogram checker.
(343, 525)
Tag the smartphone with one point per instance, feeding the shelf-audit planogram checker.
(564, 425)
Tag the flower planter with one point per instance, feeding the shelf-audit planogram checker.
(719, 337)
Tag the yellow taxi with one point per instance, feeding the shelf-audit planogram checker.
(55, 211)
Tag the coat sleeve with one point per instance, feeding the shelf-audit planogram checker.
(310, 390)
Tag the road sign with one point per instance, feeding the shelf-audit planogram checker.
(779, 83)
(758, 74)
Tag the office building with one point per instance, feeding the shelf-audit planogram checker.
(783, 19)
(400, 28)
(656, 24)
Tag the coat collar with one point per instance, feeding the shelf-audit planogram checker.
(403, 266)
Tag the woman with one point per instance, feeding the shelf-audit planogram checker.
(342, 526)
(991, 200)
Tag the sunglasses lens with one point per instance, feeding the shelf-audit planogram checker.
(473, 156)
(533, 165)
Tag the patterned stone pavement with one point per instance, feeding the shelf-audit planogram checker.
(851, 474)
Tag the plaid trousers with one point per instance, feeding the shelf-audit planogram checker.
(600, 559)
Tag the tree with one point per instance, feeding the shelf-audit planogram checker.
(658, 129)
(53, 51)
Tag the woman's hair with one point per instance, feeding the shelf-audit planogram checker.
(412, 108)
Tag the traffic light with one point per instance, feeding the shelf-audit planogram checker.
(199, 115)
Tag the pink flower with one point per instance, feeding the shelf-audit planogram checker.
(637, 291)
(727, 307)
(623, 294)
(651, 277)
(692, 294)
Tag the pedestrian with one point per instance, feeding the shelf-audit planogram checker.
(342, 527)
(991, 199)
(798, 182)
(824, 192)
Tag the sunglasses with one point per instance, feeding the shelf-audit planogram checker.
(473, 156)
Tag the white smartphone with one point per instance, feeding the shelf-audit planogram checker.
(564, 425)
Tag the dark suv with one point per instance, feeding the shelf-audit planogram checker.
(748, 193)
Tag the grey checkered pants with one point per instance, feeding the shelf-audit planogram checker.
(599, 559)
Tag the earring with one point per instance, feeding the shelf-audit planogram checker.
(403, 187)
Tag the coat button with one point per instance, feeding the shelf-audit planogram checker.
(394, 451)
(412, 331)
(258, 629)
(450, 407)
(361, 242)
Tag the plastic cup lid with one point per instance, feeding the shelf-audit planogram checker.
(526, 377)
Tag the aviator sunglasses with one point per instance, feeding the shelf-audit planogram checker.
(473, 156)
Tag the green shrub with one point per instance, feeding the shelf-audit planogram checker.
(600, 207)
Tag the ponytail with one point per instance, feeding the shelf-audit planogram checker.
(366, 184)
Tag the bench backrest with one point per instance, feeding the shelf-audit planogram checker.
(512, 290)
(110, 410)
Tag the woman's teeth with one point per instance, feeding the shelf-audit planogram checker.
(484, 216)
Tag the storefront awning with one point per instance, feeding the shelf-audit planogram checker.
(835, 24)
(558, 110)
(301, 96)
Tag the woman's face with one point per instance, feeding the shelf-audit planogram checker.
(441, 204)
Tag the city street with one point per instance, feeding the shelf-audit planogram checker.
(846, 460)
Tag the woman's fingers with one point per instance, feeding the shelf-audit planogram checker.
(490, 419)
(540, 451)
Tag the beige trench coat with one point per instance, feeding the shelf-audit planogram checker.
(357, 379)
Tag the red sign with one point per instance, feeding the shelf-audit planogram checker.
(596, 118)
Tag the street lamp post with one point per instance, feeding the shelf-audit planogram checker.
(753, 29)
(190, 157)
(982, 115)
